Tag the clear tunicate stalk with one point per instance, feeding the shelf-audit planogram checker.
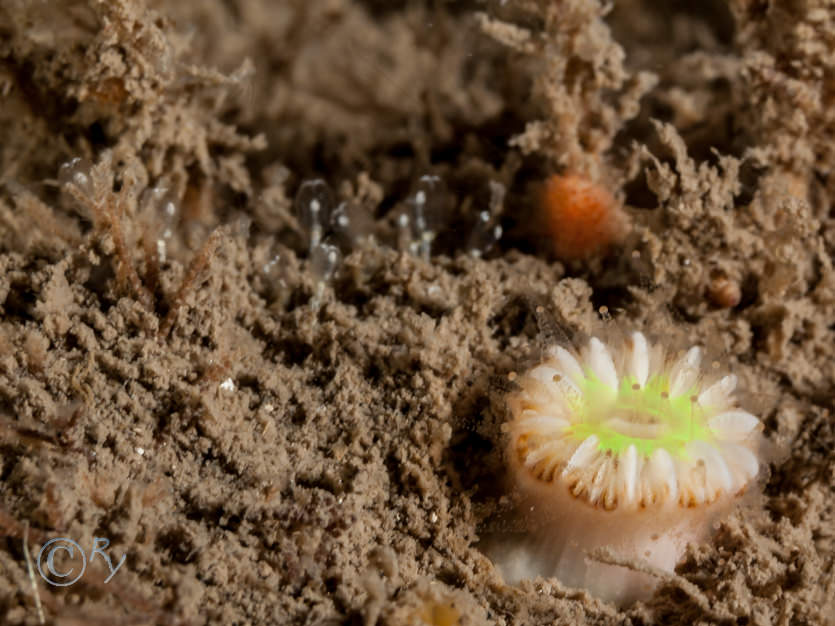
(276, 274)
(404, 231)
(313, 206)
(324, 259)
(159, 204)
(77, 171)
(352, 225)
(486, 230)
(427, 213)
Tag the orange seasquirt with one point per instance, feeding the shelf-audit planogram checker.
(581, 218)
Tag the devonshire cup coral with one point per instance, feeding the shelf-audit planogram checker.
(626, 448)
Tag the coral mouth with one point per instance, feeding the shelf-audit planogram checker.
(629, 428)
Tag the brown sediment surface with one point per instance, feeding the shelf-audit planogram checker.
(261, 459)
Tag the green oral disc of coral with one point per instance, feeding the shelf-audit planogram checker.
(667, 422)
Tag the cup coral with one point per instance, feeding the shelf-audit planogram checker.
(629, 449)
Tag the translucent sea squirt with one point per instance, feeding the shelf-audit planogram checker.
(628, 450)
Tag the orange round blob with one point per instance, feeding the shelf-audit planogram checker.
(581, 218)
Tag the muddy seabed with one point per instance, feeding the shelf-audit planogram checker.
(260, 459)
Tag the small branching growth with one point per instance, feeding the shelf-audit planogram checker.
(92, 188)
(193, 273)
(11, 431)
